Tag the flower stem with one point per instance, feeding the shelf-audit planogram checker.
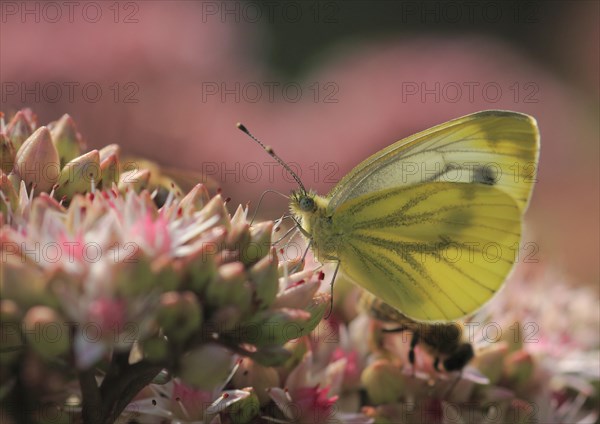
(104, 404)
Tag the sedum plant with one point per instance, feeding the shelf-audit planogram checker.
(105, 289)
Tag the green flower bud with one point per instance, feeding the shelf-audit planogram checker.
(216, 207)
(230, 288)
(260, 243)
(179, 314)
(271, 356)
(66, 139)
(109, 171)
(265, 281)
(37, 161)
(14, 271)
(45, 331)
(195, 199)
(296, 349)
(77, 175)
(244, 409)
(134, 275)
(519, 367)
(202, 271)
(275, 327)
(19, 129)
(252, 374)
(226, 319)
(135, 180)
(238, 239)
(7, 154)
(489, 361)
(206, 367)
(319, 305)
(155, 349)
(9, 192)
(384, 382)
(110, 150)
(10, 332)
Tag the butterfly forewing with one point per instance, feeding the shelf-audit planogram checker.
(436, 251)
(497, 148)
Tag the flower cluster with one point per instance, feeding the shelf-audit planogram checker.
(103, 283)
(125, 299)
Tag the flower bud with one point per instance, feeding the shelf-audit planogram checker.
(238, 239)
(66, 139)
(275, 327)
(19, 129)
(253, 374)
(179, 314)
(519, 367)
(206, 367)
(298, 295)
(109, 171)
(260, 243)
(202, 271)
(317, 308)
(44, 330)
(195, 199)
(489, 361)
(109, 150)
(10, 332)
(230, 287)
(9, 193)
(265, 281)
(271, 356)
(77, 175)
(155, 348)
(384, 382)
(135, 180)
(7, 154)
(37, 161)
(245, 409)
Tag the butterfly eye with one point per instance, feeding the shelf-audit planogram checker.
(307, 204)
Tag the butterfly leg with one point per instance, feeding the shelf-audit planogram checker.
(337, 267)
(453, 386)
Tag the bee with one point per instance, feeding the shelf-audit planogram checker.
(443, 340)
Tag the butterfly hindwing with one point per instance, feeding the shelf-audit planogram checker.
(435, 251)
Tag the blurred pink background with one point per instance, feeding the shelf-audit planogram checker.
(176, 51)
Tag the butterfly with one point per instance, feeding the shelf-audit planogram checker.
(430, 225)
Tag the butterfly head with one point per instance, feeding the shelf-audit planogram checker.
(308, 208)
(303, 202)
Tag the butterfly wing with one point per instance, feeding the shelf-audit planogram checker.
(494, 147)
(436, 251)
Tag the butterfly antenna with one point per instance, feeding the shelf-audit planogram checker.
(261, 199)
(270, 151)
(337, 267)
